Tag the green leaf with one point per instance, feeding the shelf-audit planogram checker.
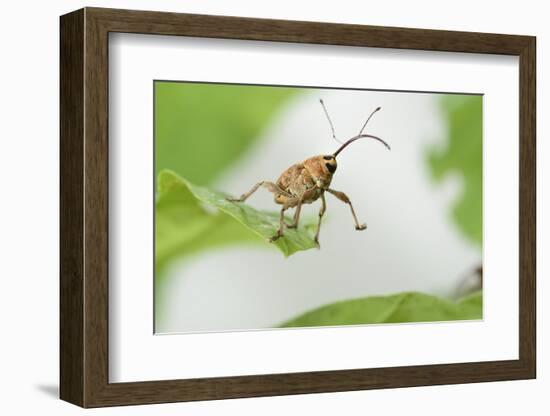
(399, 308)
(190, 218)
(201, 129)
(463, 155)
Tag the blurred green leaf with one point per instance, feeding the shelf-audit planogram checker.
(463, 155)
(184, 227)
(399, 308)
(191, 218)
(200, 129)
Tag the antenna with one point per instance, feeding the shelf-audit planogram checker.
(365, 125)
(330, 121)
(360, 136)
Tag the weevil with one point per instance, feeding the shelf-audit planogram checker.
(307, 181)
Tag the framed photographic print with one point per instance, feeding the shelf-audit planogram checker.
(255, 207)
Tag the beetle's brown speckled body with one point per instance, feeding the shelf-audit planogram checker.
(306, 182)
(307, 179)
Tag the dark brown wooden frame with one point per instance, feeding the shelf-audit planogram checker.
(84, 207)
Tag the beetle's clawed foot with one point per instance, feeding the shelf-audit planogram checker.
(291, 226)
(316, 239)
(234, 199)
(275, 237)
(361, 227)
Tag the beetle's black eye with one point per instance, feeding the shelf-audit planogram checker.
(331, 168)
(328, 157)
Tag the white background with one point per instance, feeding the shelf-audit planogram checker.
(136, 355)
(29, 220)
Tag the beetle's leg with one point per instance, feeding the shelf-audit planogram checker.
(296, 215)
(290, 202)
(281, 225)
(344, 198)
(305, 195)
(321, 213)
(244, 196)
(270, 186)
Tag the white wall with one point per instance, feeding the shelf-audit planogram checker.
(29, 209)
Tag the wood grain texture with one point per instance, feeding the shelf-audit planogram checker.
(226, 27)
(84, 207)
(96, 207)
(527, 207)
(71, 185)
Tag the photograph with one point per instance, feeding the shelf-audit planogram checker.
(268, 205)
(283, 207)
